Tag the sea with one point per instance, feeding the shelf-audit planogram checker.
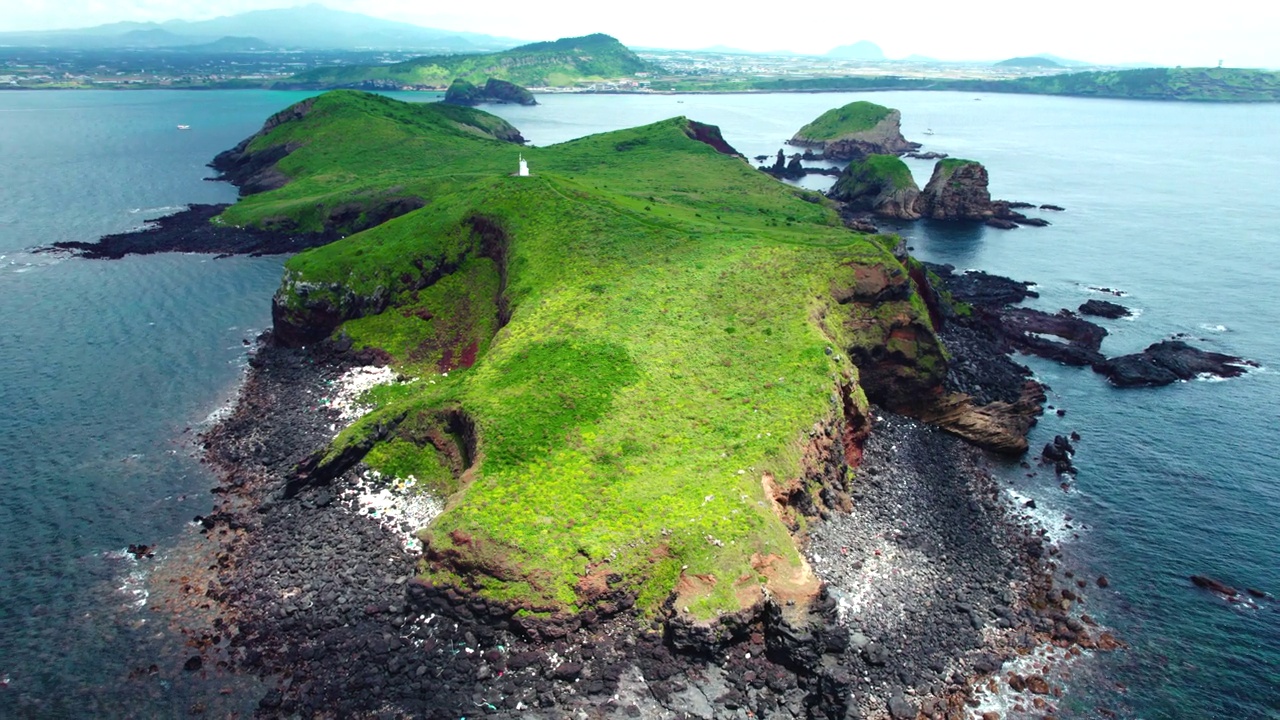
(109, 370)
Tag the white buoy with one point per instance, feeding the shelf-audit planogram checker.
(524, 167)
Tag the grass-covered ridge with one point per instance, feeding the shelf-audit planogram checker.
(638, 336)
(560, 63)
(856, 117)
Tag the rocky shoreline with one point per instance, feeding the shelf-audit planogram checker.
(932, 582)
(191, 230)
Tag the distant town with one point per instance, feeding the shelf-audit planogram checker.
(176, 68)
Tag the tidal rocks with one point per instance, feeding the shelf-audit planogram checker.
(1103, 308)
(855, 131)
(462, 92)
(956, 191)
(783, 169)
(1026, 329)
(979, 288)
(881, 184)
(1167, 362)
(931, 155)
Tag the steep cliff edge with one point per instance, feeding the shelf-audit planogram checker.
(957, 190)
(854, 131)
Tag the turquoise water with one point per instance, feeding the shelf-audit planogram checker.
(103, 365)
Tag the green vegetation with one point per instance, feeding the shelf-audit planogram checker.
(462, 92)
(635, 337)
(562, 63)
(1216, 84)
(949, 165)
(1194, 84)
(839, 122)
(873, 174)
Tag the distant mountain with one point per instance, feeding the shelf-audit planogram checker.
(1064, 62)
(559, 63)
(1028, 62)
(861, 50)
(313, 27)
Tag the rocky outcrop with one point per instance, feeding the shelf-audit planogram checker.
(884, 137)
(1168, 362)
(255, 171)
(463, 92)
(881, 184)
(1103, 308)
(956, 191)
(999, 426)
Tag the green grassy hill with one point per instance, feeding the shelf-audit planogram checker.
(624, 361)
(560, 63)
(838, 122)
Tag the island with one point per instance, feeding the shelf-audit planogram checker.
(881, 184)
(619, 425)
(463, 92)
(855, 130)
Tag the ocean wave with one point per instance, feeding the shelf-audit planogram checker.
(1214, 328)
(1134, 314)
(166, 209)
(132, 582)
(1058, 529)
(1045, 661)
(1107, 291)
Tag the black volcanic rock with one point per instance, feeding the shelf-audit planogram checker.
(983, 289)
(1167, 362)
(1102, 308)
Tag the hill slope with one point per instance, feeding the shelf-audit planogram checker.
(559, 63)
(626, 378)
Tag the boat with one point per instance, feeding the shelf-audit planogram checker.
(928, 131)
(184, 127)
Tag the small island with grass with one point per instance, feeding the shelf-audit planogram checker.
(464, 92)
(855, 130)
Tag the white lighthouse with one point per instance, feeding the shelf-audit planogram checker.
(524, 168)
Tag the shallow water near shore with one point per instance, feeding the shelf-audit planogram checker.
(105, 364)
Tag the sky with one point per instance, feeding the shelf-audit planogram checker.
(1239, 33)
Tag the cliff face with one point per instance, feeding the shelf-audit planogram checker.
(883, 138)
(881, 184)
(956, 191)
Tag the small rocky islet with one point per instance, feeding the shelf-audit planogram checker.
(906, 581)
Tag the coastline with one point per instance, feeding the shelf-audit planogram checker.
(934, 581)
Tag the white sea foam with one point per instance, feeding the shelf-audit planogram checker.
(1044, 516)
(133, 580)
(166, 209)
(1134, 314)
(1046, 661)
(399, 505)
(1214, 328)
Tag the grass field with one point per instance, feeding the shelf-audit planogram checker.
(637, 335)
